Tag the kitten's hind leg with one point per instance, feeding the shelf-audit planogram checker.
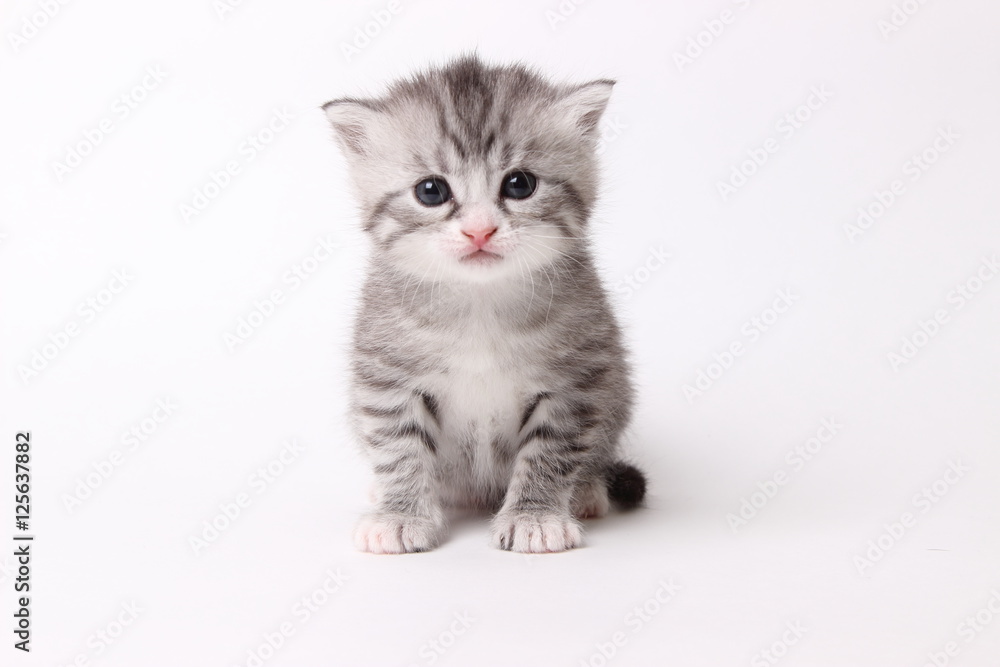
(590, 499)
(400, 441)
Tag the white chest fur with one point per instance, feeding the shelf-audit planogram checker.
(489, 379)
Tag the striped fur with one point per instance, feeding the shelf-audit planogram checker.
(502, 386)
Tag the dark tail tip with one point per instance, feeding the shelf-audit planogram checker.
(626, 485)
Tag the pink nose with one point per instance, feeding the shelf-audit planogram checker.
(479, 236)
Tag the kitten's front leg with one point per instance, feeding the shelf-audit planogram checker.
(400, 442)
(536, 517)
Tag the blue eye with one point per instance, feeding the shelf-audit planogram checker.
(432, 191)
(518, 185)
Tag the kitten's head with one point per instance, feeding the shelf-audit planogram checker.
(473, 172)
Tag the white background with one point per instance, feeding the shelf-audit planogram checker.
(674, 132)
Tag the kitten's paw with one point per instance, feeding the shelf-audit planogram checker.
(590, 501)
(382, 533)
(535, 533)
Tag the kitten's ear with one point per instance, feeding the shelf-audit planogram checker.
(353, 123)
(583, 105)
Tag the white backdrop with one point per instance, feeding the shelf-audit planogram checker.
(800, 225)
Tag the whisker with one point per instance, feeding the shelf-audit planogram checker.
(416, 288)
(552, 287)
(527, 268)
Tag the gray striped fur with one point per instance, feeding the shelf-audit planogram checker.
(502, 387)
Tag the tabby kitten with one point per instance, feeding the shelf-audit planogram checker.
(488, 370)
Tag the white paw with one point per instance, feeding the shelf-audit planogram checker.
(535, 533)
(381, 533)
(590, 501)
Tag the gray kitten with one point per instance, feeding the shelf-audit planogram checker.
(488, 370)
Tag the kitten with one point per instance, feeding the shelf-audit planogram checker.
(488, 369)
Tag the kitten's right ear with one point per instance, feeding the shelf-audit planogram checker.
(353, 122)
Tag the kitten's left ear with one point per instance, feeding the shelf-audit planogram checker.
(584, 104)
(353, 122)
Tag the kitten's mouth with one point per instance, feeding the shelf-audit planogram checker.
(480, 257)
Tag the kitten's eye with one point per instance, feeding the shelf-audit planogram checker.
(432, 191)
(518, 185)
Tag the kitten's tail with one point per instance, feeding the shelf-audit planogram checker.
(626, 485)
